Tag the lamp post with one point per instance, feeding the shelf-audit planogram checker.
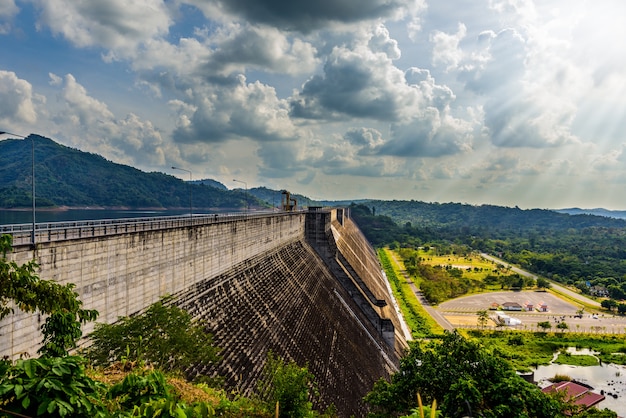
(190, 201)
(32, 236)
(246, 186)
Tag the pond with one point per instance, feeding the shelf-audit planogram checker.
(608, 379)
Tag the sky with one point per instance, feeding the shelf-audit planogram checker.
(503, 102)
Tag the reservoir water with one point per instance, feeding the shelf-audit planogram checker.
(609, 379)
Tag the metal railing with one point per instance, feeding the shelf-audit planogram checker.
(61, 231)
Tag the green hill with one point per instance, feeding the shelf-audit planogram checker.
(69, 177)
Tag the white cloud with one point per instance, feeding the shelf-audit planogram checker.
(18, 103)
(116, 25)
(446, 49)
(89, 124)
(233, 110)
(359, 82)
(8, 10)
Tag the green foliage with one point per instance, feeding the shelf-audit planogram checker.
(140, 388)
(544, 325)
(289, 385)
(22, 286)
(543, 283)
(164, 336)
(464, 377)
(424, 411)
(483, 318)
(409, 304)
(50, 387)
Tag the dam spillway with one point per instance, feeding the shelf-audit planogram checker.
(305, 285)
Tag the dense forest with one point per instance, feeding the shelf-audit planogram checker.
(585, 251)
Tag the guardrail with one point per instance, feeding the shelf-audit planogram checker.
(61, 231)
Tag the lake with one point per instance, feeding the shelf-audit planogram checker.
(610, 378)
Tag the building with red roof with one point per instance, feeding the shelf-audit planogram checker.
(577, 393)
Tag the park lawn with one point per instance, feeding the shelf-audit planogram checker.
(473, 266)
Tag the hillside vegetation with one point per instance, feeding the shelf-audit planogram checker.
(69, 177)
(584, 251)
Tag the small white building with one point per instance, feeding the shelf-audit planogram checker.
(503, 319)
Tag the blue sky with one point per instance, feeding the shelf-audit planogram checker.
(506, 102)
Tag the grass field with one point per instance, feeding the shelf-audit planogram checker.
(473, 266)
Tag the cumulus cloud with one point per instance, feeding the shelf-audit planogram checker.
(18, 103)
(429, 134)
(116, 25)
(358, 82)
(446, 49)
(241, 47)
(91, 126)
(305, 16)
(520, 110)
(8, 10)
(366, 138)
(234, 109)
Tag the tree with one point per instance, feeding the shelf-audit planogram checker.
(562, 326)
(543, 283)
(461, 375)
(22, 286)
(483, 317)
(545, 325)
(621, 308)
(287, 385)
(164, 336)
(609, 304)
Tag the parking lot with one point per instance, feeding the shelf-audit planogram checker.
(461, 312)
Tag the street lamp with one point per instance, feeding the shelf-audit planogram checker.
(32, 139)
(190, 201)
(246, 186)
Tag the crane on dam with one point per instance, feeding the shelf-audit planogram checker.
(288, 203)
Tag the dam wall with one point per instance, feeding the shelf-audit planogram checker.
(120, 272)
(306, 286)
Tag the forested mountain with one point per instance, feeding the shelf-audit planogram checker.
(68, 177)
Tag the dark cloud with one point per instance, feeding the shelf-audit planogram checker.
(256, 47)
(307, 15)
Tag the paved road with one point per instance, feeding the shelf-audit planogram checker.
(555, 286)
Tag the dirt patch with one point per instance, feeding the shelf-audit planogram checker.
(462, 319)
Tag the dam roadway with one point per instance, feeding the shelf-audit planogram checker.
(305, 285)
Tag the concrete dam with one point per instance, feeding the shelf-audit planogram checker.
(305, 285)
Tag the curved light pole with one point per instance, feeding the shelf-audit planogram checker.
(190, 201)
(246, 186)
(32, 236)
